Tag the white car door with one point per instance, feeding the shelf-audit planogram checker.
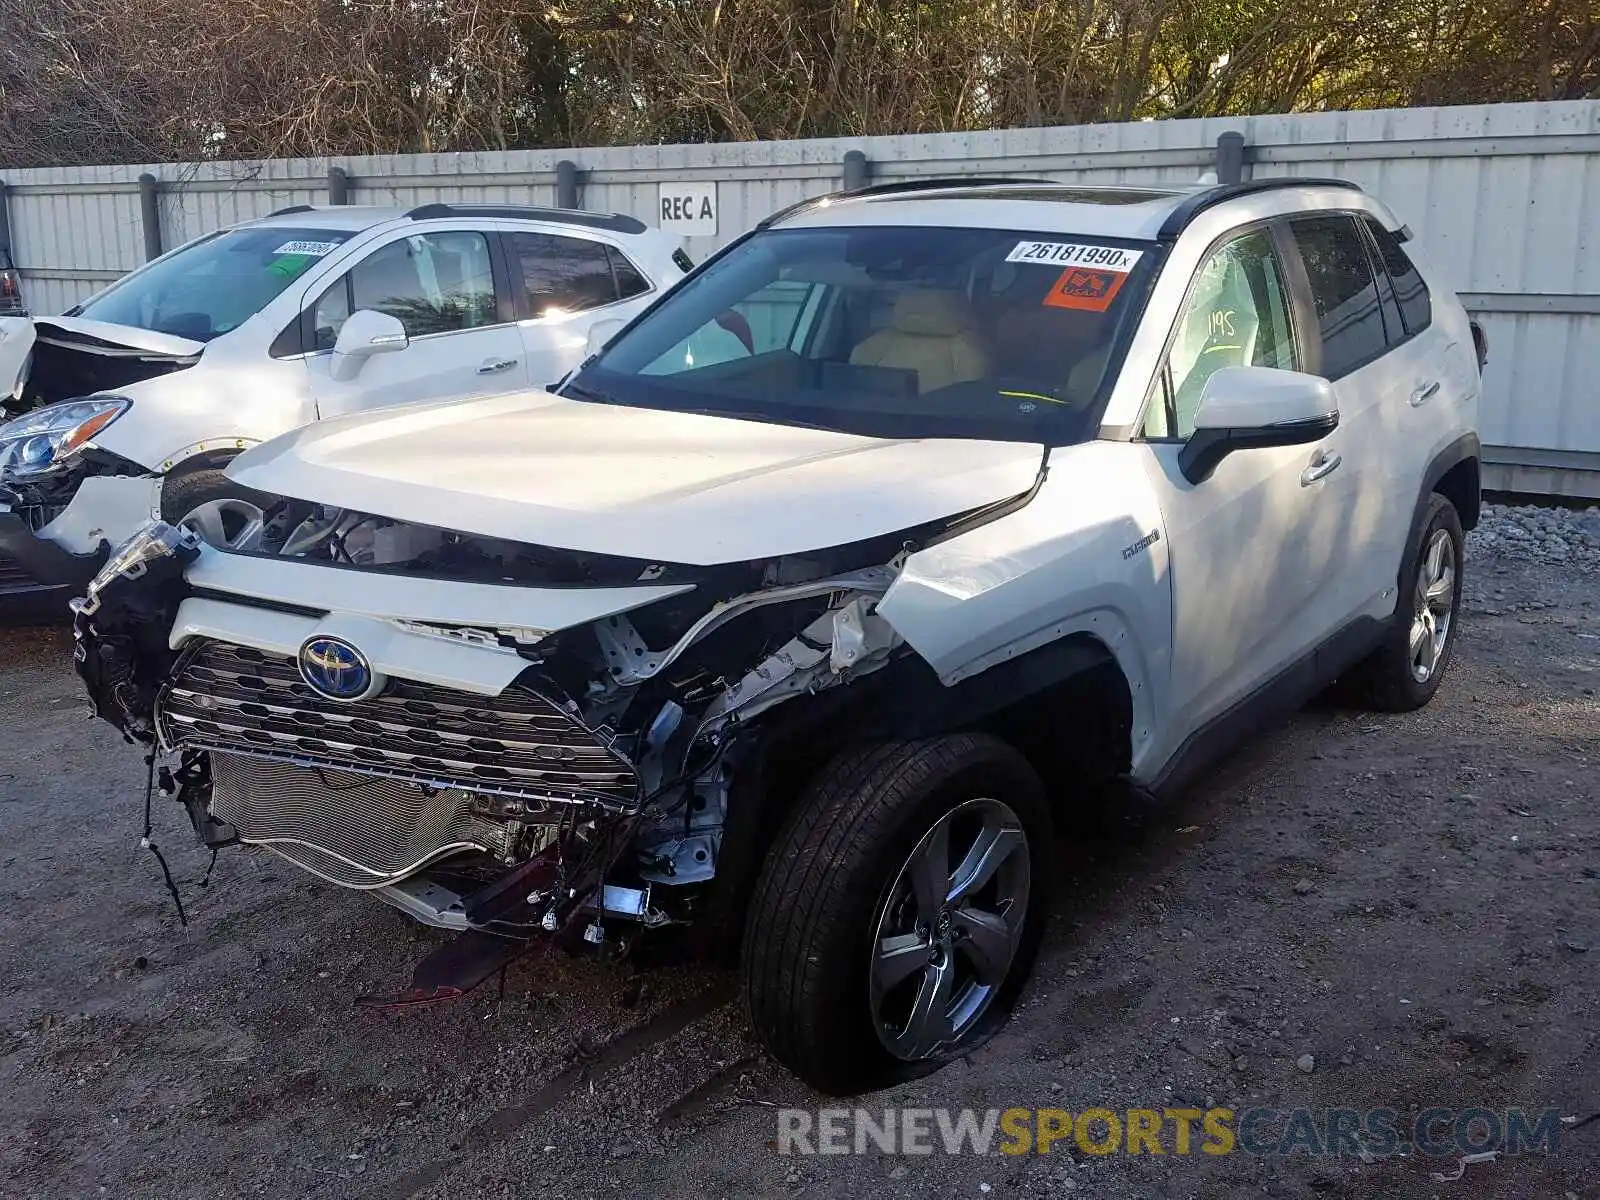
(1432, 379)
(564, 283)
(1252, 547)
(1374, 371)
(444, 288)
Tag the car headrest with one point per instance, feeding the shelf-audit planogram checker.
(929, 312)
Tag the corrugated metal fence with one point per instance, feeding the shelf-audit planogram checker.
(1504, 199)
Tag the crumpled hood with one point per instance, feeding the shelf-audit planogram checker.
(102, 337)
(16, 341)
(58, 358)
(662, 486)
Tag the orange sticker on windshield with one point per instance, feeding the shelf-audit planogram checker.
(1085, 289)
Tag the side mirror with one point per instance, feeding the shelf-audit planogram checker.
(600, 333)
(1245, 408)
(364, 334)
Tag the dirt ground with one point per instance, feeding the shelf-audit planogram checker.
(1414, 901)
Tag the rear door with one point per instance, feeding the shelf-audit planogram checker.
(562, 284)
(1375, 372)
(1435, 368)
(449, 290)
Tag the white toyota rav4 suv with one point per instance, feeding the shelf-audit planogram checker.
(796, 610)
(142, 393)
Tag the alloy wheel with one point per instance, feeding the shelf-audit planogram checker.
(227, 524)
(948, 929)
(1435, 605)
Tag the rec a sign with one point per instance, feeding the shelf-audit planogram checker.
(689, 209)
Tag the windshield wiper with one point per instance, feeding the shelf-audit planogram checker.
(588, 393)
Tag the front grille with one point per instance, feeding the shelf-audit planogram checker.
(234, 699)
(353, 830)
(12, 575)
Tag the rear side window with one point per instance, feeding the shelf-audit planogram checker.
(1416, 306)
(1349, 316)
(629, 282)
(567, 274)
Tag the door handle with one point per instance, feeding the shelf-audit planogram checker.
(1323, 464)
(490, 366)
(1424, 393)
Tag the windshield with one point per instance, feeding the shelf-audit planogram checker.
(207, 289)
(890, 331)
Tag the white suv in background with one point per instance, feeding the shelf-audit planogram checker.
(141, 394)
(974, 498)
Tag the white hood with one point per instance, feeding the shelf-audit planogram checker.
(661, 486)
(121, 339)
(19, 336)
(16, 340)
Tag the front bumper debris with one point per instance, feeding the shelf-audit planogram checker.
(120, 626)
(38, 577)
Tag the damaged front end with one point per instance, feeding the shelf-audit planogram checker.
(589, 792)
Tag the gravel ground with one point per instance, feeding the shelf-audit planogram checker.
(1412, 901)
(1552, 536)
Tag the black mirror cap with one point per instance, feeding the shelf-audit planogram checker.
(1480, 345)
(1206, 448)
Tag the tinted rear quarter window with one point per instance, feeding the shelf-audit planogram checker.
(630, 282)
(564, 274)
(1416, 306)
(1346, 295)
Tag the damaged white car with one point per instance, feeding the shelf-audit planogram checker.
(794, 614)
(132, 403)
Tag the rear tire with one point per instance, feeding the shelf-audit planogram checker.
(1403, 673)
(866, 916)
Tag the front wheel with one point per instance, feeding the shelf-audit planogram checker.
(226, 515)
(899, 912)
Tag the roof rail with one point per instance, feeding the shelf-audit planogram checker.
(899, 186)
(615, 222)
(291, 210)
(1180, 217)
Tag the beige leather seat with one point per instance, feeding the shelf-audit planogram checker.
(929, 332)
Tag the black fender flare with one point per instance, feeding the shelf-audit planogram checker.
(771, 759)
(1466, 448)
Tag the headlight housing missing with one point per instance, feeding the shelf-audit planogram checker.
(37, 443)
(154, 542)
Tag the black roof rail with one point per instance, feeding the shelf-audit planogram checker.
(1179, 218)
(291, 210)
(615, 222)
(905, 185)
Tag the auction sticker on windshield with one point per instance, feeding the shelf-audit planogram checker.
(1075, 254)
(1085, 289)
(313, 249)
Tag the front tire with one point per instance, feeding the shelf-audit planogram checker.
(1405, 671)
(225, 514)
(899, 911)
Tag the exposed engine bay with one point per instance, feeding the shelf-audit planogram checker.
(593, 791)
(65, 362)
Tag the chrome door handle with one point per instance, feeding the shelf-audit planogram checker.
(491, 365)
(1323, 464)
(1424, 393)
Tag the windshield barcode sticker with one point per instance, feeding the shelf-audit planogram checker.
(313, 249)
(1075, 254)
